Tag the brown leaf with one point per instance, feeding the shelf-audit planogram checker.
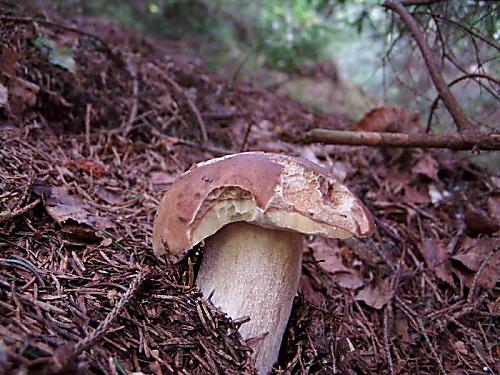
(415, 195)
(349, 280)
(310, 293)
(376, 294)
(389, 119)
(330, 256)
(62, 206)
(436, 257)
(494, 206)
(92, 167)
(80, 232)
(332, 261)
(87, 166)
(471, 255)
(478, 221)
(426, 166)
(108, 196)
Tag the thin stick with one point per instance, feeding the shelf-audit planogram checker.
(245, 139)
(135, 94)
(461, 120)
(19, 211)
(381, 139)
(88, 112)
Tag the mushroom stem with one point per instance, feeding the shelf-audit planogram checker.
(254, 271)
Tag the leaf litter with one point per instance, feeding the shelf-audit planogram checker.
(85, 157)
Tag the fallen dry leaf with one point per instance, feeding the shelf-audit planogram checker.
(92, 167)
(478, 221)
(471, 255)
(62, 206)
(389, 119)
(87, 166)
(494, 206)
(375, 294)
(329, 256)
(416, 196)
(349, 280)
(310, 293)
(426, 166)
(436, 257)
(108, 196)
(331, 259)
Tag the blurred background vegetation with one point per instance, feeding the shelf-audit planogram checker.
(340, 56)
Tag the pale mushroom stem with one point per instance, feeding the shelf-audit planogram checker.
(254, 271)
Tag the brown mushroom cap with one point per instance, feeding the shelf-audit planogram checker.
(269, 190)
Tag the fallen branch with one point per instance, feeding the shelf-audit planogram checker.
(360, 138)
(461, 120)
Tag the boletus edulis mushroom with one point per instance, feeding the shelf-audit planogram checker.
(251, 209)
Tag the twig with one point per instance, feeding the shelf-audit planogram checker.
(88, 112)
(380, 139)
(452, 60)
(245, 139)
(19, 211)
(469, 30)
(192, 106)
(461, 120)
(454, 82)
(135, 94)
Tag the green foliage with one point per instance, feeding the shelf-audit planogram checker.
(291, 32)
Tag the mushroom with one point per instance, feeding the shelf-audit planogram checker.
(251, 210)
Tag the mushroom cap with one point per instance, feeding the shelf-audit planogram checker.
(270, 190)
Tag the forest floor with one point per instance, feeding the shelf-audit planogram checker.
(94, 129)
